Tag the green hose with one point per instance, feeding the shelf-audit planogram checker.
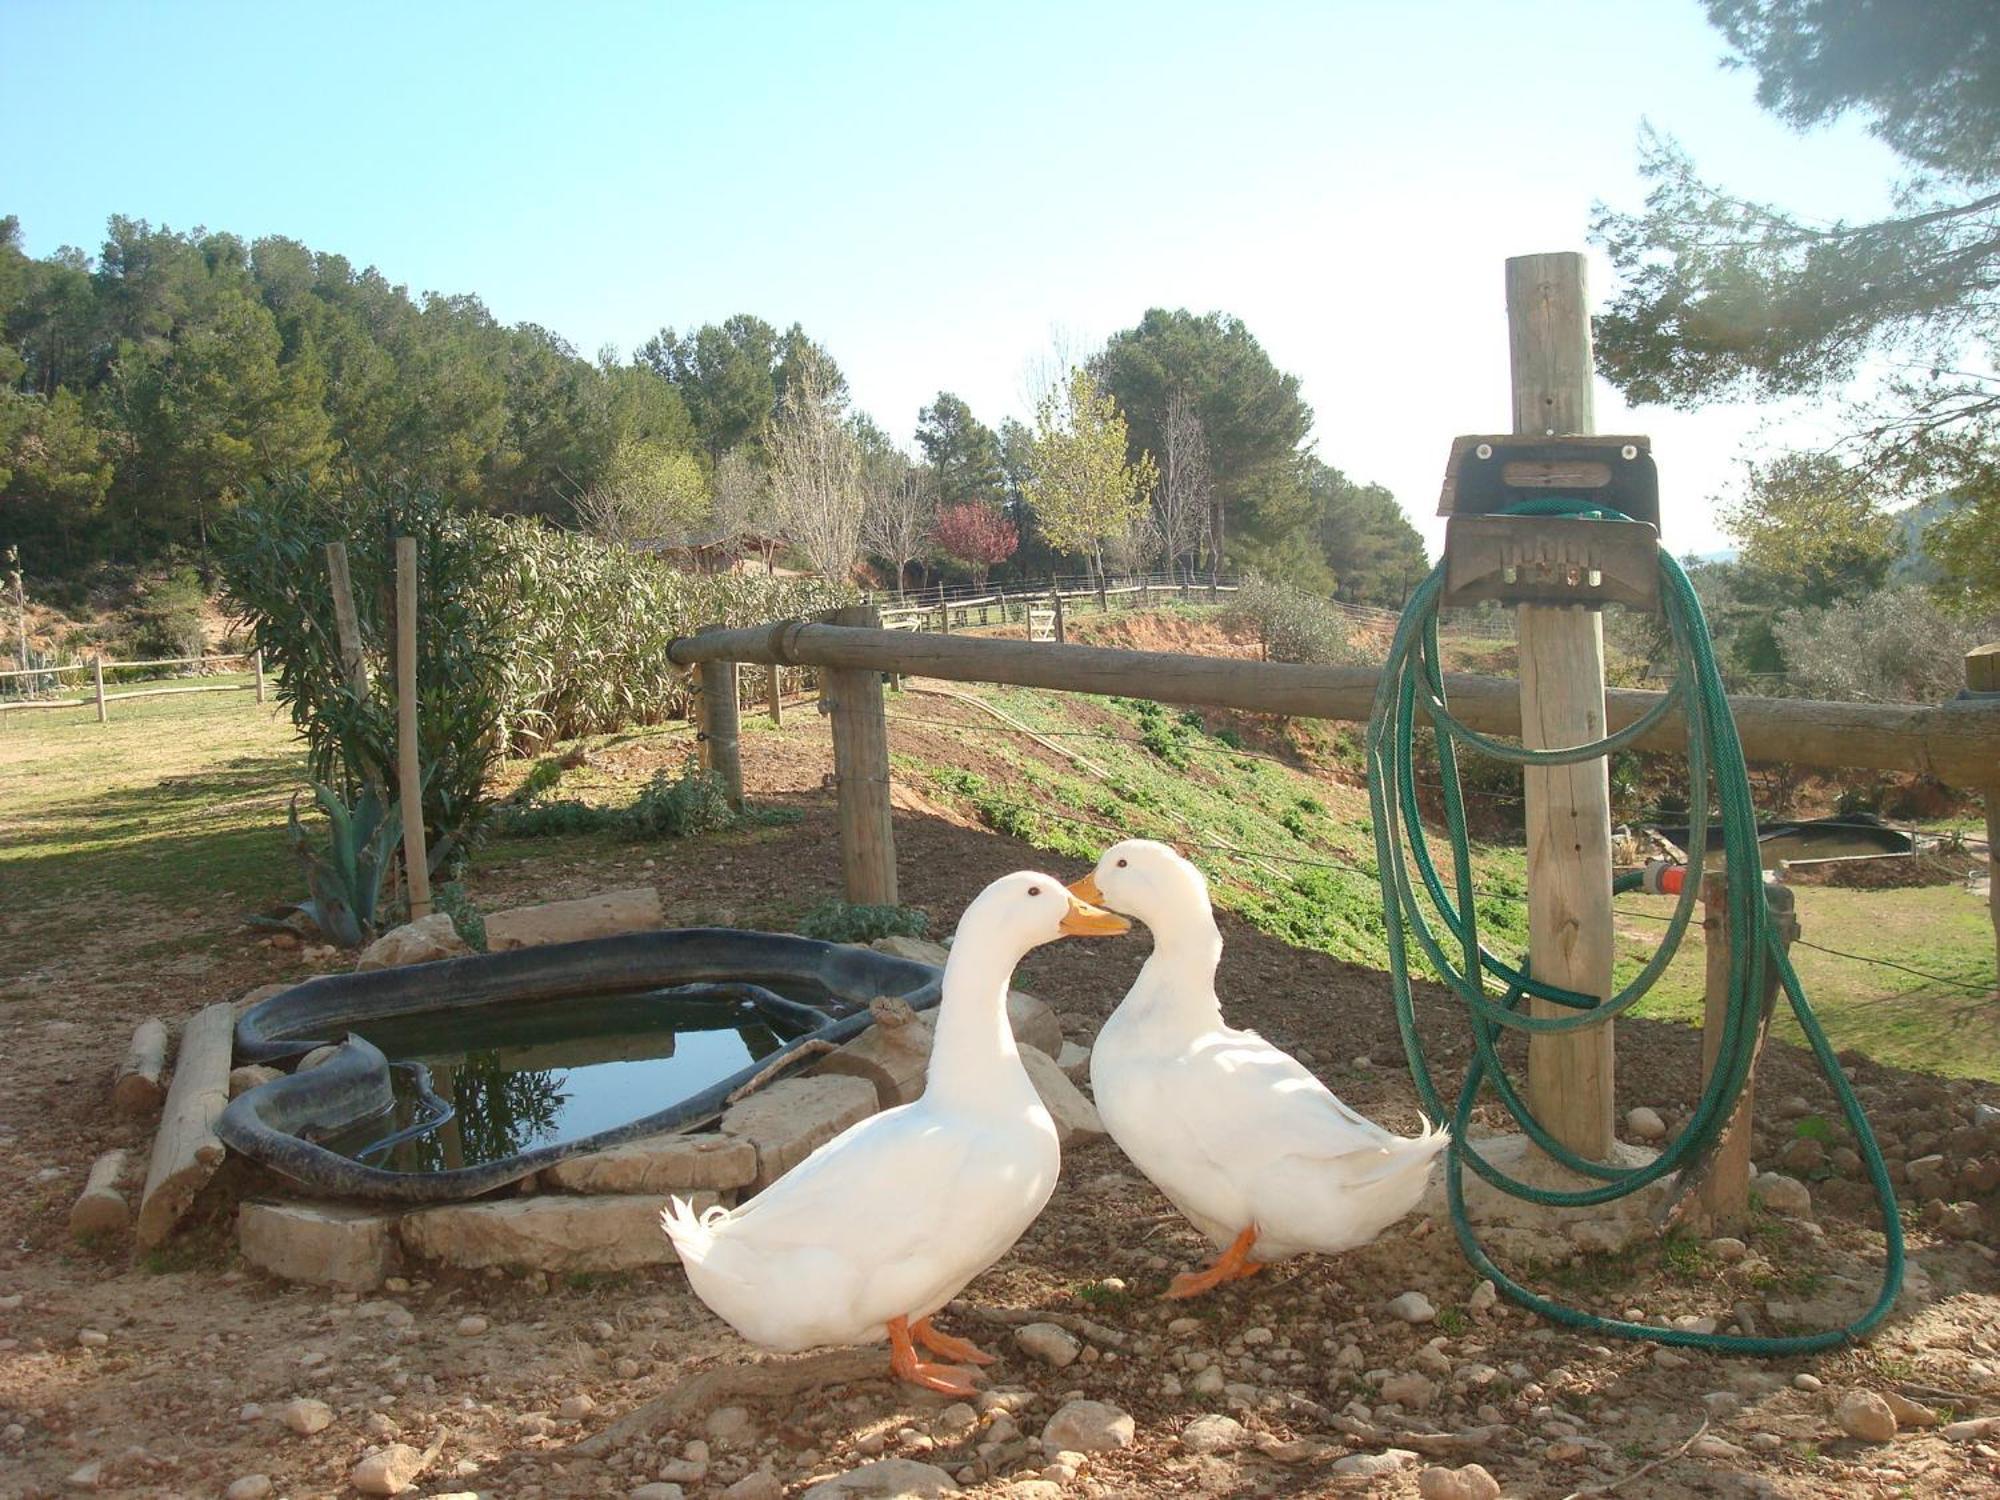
(1492, 990)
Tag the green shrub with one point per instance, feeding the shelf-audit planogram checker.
(1296, 624)
(846, 922)
(169, 617)
(677, 806)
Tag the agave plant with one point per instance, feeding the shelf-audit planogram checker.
(345, 880)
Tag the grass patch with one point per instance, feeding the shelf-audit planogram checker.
(847, 922)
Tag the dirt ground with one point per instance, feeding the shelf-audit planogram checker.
(159, 1375)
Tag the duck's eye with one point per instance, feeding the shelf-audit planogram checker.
(1034, 890)
(1121, 864)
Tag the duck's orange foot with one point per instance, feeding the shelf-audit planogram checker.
(958, 1351)
(947, 1380)
(1232, 1265)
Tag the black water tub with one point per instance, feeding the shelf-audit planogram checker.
(451, 1079)
(1844, 836)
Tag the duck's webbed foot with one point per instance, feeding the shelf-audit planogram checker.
(957, 1350)
(948, 1380)
(1232, 1265)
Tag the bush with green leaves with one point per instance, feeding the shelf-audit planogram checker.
(169, 619)
(344, 880)
(849, 922)
(1892, 646)
(677, 806)
(1297, 624)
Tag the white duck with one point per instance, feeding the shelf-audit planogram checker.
(885, 1223)
(1256, 1151)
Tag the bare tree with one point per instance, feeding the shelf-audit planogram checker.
(743, 505)
(897, 515)
(816, 469)
(1183, 504)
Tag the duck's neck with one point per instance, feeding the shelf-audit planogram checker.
(973, 1057)
(1176, 986)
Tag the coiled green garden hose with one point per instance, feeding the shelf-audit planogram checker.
(1411, 681)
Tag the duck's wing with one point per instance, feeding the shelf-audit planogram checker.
(1245, 1088)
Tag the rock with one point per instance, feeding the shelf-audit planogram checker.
(472, 1325)
(1409, 1390)
(249, 1487)
(916, 949)
(1483, 1297)
(388, 1471)
(250, 1076)
(894, 1054)
(1389, 1461)
(613, 1232)
(1213, 1434)
(1075, 1116)
(1783, 1195)
(91, 1338)
(86, 1476)
(1728, 1249)
(315, 1057)
(1472, 1482)
(1088, 1427)
(793, 1117)
(660, 1490)
(758, 1484)
(1033, 1023)
(664, 1164)
(1972, 1429)
(1412, 1307)
(576, 1408)
(886, 1479)
(304, 1415)
(1074, 1061)
(1721, 1450)
(730, 1426)
(1645, 1124)
(1803, 1155)
(322, 1244)
(420, 942)
(1208, 1382)
(635, 909)
(1909, 1413)
(1805, 1380)
(1865, 1415)
(1048, 1343)
(1033, 1489)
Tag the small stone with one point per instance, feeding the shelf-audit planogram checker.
(626, 1367)
(1972, 1429)
(1483, 1297)
(1212, 1434)
(1728, 1249)
(1807, 1381)
(758, 1484)
(576, 1408)
(1909, 1413)
(886, 1479)
(1412, 1307)
(1783, 1195)
(1208, 1382)
(1409, 1390)
(1254, 1336)
(86, 1476)
(305, 1416)
(250, 1411)
(472, 1325)
(249, 1487)
(1865, 1415)
(662, 1490)
(729, 1425)
(1645, 1124)
(1567, 1451)
(1182, 1327)
(1389, 1461)
(1048, 1343)
(1721, 1405)
(91, 1338)
(388, 1471)
(1472, 1482)
(1088, 1427)
(1708, 1445)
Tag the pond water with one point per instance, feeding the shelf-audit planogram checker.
(541, 1072)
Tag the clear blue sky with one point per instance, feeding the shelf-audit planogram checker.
(936, 191)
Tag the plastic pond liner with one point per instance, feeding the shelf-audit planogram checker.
(451, 1079)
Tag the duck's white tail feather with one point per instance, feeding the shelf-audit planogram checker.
(1392, 1182)
(694, 1234)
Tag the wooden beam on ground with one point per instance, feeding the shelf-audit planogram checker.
(1568, 808)
(853, 697)
(1957, 742)
(101, 1208)
(137, 1090)
(186, 1151)
(409, 768)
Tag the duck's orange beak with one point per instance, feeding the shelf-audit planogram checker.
(1087, 920)
(1086, 889)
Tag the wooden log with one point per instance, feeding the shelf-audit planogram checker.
(97, 685)
(137, 1090)
(102, 1208)
(186, 1151)
(861, 775)
(1724, 1198)
(1956, 742)
(720, 720)
(409, 771)
(347, 623)
(1568, 808)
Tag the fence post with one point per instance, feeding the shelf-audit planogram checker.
(346, 621)
(721, 716)
(409, 772)
(97, 681)
(1562, 704)
(1724, 1198)
(1062, 636)
(775, 685)
(257, 666)
(861, 773)
(1103, 599)
(1982, 675)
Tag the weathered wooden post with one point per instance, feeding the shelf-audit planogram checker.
(1562, 703)
(861, 772)
(409, 771)
(1724, 1199)
(1982, 675)
(774, 685)
(345, 621)
(257, 666)
(721, 711)
(97, 683)
(1062, 633)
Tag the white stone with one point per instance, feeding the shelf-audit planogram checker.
(663, 1164)
(758, 1484)
(1088, 1427)
(612, 1232)
(1409, 1390)
(636, 909)
(1783, 1195)
(1645, 1124)
(388, 1471)
(249, 1487)
(886, 1479)
(250, 1076)
(576, 1408)
(86, 1476)
(1909, 1413)
(420, 942)
(304, 1415)
(1074, 1061)
(1047, 1342)
(1483, 1297)
(1033, 1023)
(1412, 1307)
(1389, 1461)
(1213, 1433)
(1472, 1482)
(662, 1490)
(323, 1244)
(1865, 1415)
(793, 1117)
(1075, 1116)
(472, 1325)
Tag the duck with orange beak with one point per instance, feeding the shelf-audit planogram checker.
(875, 1231)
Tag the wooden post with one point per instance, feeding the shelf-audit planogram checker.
(97, 682)
(861, 774)
(1062, 635)
(775, 685)
(20, 608)
(1562, 704)
(1724, 1201)
(721, 712)
(1982, 675)
(352, 661)
(257, 666)
(409, 773)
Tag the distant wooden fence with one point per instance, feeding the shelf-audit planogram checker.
(102, 700)
(1020, 603)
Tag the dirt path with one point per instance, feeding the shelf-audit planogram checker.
(166, 1373)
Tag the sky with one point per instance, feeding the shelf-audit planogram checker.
(944, 193)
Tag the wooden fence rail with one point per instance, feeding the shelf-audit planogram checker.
(101, 700)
